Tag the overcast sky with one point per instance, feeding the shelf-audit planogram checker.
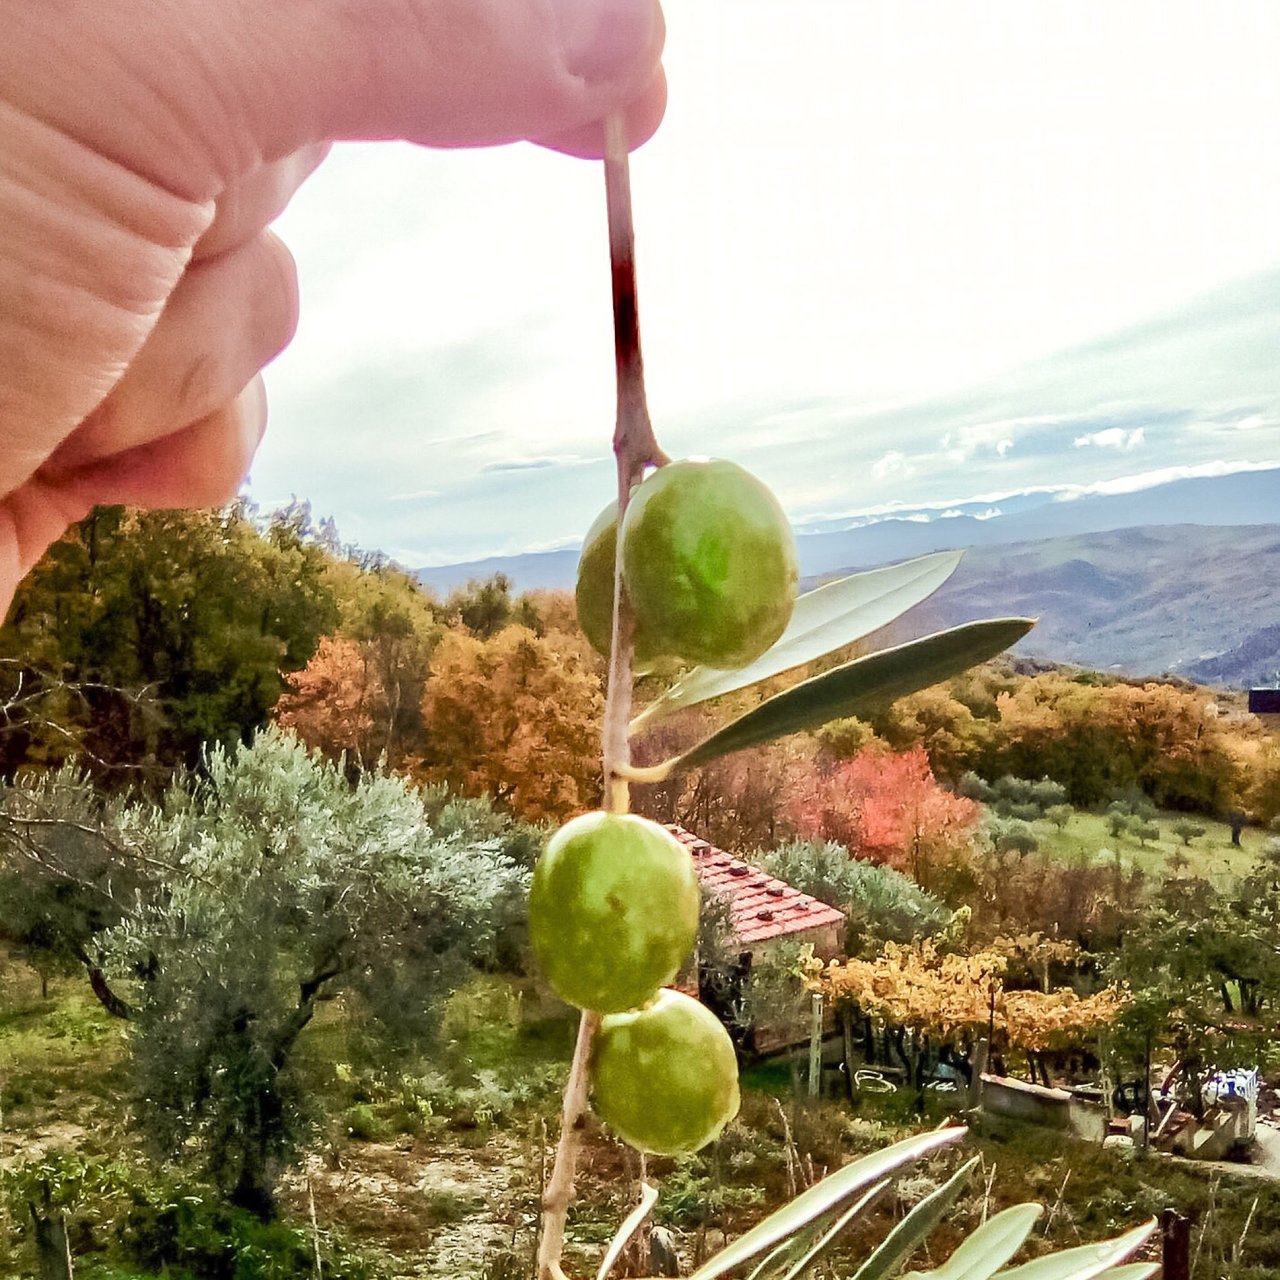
(890, 254)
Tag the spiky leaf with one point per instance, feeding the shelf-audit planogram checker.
(824, 1242)
(988, 1249)
(833, 1190)
(781, 1256)
(1084, 1262)
(912, 1231)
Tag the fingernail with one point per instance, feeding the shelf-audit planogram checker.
(601, 39)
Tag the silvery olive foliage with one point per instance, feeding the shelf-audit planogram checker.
(292, 885)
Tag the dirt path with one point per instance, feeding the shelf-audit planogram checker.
(443, 1211)
(57, 1135)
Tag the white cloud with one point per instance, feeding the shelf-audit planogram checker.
(892, 463)
(1150, 479)
(1112, 438)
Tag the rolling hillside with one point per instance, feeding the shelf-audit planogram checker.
(1116, 583)
(1241, 498)
(1191, 600)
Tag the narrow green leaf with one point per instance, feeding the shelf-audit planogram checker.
(908, 1235)
(1132, 1271)
(631, 1224)
(1084, 1262)
(833, 1233)
(833, 1190)
(862, 686)
(780, 1257)
(989, 1248)
(824, 620)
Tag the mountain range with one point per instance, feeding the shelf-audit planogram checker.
(1178, 577)
(1189, 600)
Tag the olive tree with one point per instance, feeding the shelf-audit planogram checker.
(291, 885)
(69, 870)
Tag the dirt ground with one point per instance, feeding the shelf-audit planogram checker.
(442, 1212)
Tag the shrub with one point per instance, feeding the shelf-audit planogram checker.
(186, 1229)
(1187, 831)
(1059, 814)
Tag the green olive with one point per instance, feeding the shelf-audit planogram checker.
(709, 563)
(665, 1078)
(594, 593)
(613, 911)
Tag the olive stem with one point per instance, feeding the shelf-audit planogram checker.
(634, 445)
(559, 1192)
(635, 448)
(648, 773)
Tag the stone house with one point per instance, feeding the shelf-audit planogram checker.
(762, 912)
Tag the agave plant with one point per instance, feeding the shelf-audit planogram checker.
(790, 1243)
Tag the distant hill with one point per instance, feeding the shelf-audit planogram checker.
(1245, 497)
(1116, 583)
(1189, 600)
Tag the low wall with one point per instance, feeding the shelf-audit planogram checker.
(1053, 1108)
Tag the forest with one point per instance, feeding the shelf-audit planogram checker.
(268, 818)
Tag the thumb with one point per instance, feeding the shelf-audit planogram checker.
(454, 72)
(446, 73)
(200, 92)
(192, 94)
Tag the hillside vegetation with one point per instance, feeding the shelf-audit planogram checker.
(267, 991)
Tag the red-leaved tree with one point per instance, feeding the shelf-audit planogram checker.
(886, 807)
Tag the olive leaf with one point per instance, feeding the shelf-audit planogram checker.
(988, 1249)
(780, 1256)
(826, 619)
(860, 687)
(911, 1232)
(1132, 1271)
(819, 1199)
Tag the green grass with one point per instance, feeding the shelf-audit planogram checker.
(61, 1060)
(1211, 855)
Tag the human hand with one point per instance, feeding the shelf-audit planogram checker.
(145, 146)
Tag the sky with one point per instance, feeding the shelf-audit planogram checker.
(890, 256)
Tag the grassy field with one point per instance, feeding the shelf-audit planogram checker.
(1211, 855)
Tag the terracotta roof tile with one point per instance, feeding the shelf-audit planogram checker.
(760, 905)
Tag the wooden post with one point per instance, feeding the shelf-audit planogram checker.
(978, 1060)
(1175, 1237)
(815, 1044)
(846, 1027)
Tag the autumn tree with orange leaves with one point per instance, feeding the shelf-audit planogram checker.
(361, 692)
(516, 717)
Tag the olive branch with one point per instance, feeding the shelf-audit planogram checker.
(794, 1238)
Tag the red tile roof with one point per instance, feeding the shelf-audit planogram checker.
(760, 905)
